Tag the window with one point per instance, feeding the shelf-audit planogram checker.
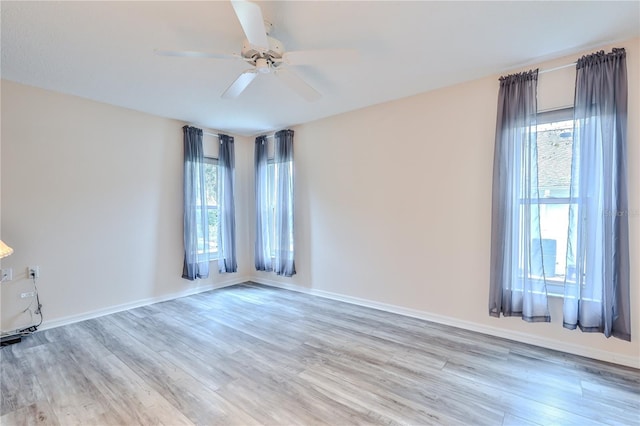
(555, 144)
(272, 177)
(274, 191)
(211, 192)
(271, 195)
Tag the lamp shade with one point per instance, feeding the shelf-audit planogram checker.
(5, 250)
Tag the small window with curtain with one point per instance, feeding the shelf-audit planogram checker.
(211, 191)
(554, 145)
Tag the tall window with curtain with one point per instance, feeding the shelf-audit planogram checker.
(517, 285)
(597, 265)
(264, 212)
(196, 222)
(274, 245)
(226, 206)
(597, 288)
(283, 245)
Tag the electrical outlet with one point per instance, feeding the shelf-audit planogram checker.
(33, 272)
(27, 294)
(6, 274)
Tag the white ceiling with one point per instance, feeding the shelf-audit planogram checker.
(104, 51)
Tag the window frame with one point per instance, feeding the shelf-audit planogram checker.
(554, 288)
(213, 255)
(272, 177)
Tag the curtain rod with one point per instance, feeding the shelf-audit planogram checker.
(215, 135)
(204, 132)
(558, 68)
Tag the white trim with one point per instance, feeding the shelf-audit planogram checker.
(598, 354)
(58, 322)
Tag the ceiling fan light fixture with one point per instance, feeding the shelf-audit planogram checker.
(267, 55)
(262, 65)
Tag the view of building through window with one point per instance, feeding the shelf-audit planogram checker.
(555, 143)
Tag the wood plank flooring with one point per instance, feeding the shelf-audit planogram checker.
(250, 354)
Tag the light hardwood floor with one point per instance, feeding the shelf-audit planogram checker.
(251, 354)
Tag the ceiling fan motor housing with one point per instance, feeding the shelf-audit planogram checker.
(273, 56)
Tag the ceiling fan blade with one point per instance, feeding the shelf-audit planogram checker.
(298, 85)
(319, 57)
(194, 54)
(241, 83)
(250, 17)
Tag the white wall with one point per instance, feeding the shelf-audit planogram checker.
(393, 209)
(93, 195)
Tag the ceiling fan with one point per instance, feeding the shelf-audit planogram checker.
(267, 55)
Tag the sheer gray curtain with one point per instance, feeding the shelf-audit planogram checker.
(196, 222)
(517, 285)
(226, 206)
(597, 279)
(264, 214)
(284, 204)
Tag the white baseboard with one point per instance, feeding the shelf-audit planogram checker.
(58, 322)
(601, 355)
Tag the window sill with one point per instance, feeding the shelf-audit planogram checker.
(552, 289)
(555, 293)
